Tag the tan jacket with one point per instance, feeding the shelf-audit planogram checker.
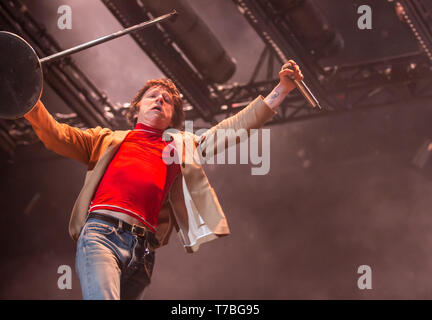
(191, 205)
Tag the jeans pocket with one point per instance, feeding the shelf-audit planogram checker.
(101, 228)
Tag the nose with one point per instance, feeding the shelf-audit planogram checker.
(160, 99)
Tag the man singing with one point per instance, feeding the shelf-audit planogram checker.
(132, 198)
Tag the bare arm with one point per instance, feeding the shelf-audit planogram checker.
(254, 115)
(285, 86)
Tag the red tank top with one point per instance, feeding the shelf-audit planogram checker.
(137, 179)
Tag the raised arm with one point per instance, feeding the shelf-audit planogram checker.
(255, 115)
(61, 138)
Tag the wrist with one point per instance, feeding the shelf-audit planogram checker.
(283, 90)
(275, 98)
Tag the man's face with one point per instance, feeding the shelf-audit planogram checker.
(156, 108)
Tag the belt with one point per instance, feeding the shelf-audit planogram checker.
(134, 229)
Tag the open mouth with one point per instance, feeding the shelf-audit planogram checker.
(158, 108)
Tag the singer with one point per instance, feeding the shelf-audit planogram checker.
(131, 199)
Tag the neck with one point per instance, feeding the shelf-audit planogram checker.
(145, 126)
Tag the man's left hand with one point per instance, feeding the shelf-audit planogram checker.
(288, 73)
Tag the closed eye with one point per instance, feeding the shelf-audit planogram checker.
(167, 99)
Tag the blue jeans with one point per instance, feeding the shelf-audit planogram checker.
(112, 263)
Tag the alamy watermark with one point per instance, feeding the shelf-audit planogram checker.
(365, 280)
(365, 20)
(65, 20)
(65, 280)
(214, 146)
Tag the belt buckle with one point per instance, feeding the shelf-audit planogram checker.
(135, 228)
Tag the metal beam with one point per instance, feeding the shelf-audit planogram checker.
(161, 49)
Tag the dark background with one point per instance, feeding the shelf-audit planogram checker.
(341, 191)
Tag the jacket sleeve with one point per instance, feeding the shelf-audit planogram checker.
(235, 128)
(61, 138)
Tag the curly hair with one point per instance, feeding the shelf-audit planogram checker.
(178, 115)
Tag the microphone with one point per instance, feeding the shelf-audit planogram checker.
(305, 91)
